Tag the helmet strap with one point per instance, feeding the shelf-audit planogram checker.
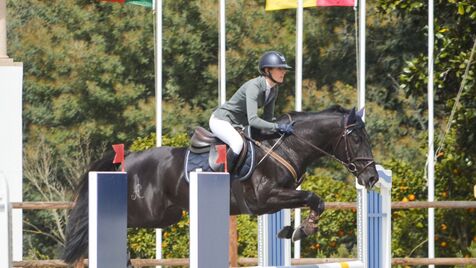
(268, 74)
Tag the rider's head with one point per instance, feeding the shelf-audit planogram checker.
(273, 66)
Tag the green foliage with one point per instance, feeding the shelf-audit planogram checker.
(454, 228)
(141, 243)
(141, 144)
(472, 254)
(247, 236)
(76, 80)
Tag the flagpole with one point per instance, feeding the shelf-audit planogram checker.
(158, 101)
(222, 76)
(430, 159)
(362, 225)
(298, 101)
(299, 41)
(362, 29)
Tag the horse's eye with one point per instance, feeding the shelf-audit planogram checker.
(357, 138)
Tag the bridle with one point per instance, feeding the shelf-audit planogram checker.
(350, 161)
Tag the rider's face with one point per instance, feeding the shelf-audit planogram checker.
(278, 74)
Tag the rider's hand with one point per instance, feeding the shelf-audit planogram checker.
(285, 128)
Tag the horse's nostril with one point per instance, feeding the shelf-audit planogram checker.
(370, 182)
(373, 181)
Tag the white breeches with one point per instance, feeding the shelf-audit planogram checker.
(227, 133)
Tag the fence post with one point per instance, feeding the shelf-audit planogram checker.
(209, 216)
(374, 222)
(385, 185)
(107, 219)
(362, 224)
(5, 224)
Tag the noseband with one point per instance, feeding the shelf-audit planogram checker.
(350, 161)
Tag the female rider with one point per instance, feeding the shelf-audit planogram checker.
(242, 108)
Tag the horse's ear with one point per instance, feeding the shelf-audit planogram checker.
(360, 113)
(351, 119)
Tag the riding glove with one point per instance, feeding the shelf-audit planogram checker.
(286, 128)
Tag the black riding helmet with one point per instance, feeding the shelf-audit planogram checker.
(272, 59)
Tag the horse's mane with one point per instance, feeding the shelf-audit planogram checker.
(334, 109)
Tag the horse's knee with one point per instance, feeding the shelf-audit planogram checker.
(315, 203)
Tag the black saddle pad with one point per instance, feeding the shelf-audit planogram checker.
(194, 161)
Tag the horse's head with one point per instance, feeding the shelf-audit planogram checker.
(354, 150)
(337, 133)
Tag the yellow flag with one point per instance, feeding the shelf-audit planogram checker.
(287, 4)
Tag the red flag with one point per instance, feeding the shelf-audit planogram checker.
(335, 3)
(119, 157)
(221, 149)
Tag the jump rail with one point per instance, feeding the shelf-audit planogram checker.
(254, 261)
(329, 205)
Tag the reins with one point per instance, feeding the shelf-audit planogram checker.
(350, 164)
(277, 157)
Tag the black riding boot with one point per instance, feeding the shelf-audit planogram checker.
(231, 159)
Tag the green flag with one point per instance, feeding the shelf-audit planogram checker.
(145, 3)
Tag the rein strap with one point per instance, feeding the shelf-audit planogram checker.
(277, 157)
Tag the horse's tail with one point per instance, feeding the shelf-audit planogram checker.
(76, 244)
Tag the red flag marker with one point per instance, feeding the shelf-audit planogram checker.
(119, 157)
(221, 149)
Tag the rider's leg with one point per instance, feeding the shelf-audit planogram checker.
(227, 133)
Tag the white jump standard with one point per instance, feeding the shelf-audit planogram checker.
(107, 219)
(209, 219)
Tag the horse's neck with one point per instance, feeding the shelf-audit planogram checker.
(306, 145)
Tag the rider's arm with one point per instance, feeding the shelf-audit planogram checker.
(254, 120)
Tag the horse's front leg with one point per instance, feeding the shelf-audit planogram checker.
(295, 199)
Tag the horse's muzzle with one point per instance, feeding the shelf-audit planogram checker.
(371, 182)
(368, 178)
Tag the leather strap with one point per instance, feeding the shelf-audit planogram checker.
(278, 158)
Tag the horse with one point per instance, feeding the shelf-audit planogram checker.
(158, 191)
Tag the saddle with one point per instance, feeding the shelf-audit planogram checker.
(203, 145)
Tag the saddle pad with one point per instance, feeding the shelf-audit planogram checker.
(249, 165)
(194, 161)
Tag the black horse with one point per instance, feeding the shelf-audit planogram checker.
(158, 191)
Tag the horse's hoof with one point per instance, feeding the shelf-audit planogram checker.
(298, 234)
(286, 232)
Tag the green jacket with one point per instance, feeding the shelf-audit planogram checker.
(242, 108)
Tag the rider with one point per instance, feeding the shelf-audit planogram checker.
(242, 108)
